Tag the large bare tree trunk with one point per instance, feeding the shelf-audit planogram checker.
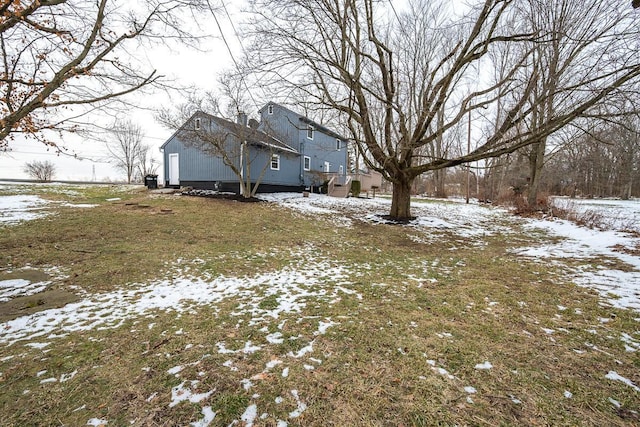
(536, 163)
(439, 178)
(401, 199)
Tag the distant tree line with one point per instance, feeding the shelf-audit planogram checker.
(603, 162)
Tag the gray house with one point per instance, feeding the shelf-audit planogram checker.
(284, 151)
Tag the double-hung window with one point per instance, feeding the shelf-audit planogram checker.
(275, 162)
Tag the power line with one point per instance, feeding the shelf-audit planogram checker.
(226, 43)
(61, 155)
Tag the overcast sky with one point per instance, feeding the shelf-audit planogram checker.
(186, 67)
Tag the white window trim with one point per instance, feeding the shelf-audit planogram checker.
(310, 132)
(307, 163)
(197, 124)
(275, 157)
(338, 144)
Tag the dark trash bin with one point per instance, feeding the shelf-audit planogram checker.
(151, 181)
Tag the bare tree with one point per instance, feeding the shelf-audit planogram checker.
(390, 84)
(576, 43)
(147, 164)
(125, 147)
(63, 58)
(40, 170)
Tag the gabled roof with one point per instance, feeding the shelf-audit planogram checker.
(305, 119)
(246, 133)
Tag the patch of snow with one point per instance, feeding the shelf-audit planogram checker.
(175, 370)
(180, 393)
(97, 422)
(583, 243)
(38, 345)
(67, 377)
(13, 288)
(301, 406)
(444, 373)
(285, 372)
(208, 417)
(323, 326)
(275, 338)
(515, 400)
(470, 390)
(485, 365)
(613, 375)
(615, 402)
(17, 208)
(273, 363)
(568, 394)
(302, 351)
(249, 415)
(294, 284)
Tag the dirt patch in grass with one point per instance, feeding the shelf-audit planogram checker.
(31, 275)
(25, 305)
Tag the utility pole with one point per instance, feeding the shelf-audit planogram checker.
(468, 151)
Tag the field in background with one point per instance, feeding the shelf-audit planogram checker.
(606, 214)
(199, 311)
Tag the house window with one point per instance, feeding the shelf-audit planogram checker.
(197, 124)
(326, 167)
(310, 130)
(270, 109)
(275, 162)
(338, 144)
(307, 163)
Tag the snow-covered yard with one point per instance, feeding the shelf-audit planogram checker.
(314, 277)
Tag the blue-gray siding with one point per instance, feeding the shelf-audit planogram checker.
(196, 166)
(291, 128)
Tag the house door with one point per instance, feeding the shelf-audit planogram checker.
(174, 172)
(341, 170)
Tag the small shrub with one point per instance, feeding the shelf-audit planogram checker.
(356, 187)
(324, 189)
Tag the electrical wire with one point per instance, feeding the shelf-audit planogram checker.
(226, 43)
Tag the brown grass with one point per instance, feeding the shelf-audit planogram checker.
(470, 305)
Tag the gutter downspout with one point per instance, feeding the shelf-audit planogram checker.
(242, 188)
